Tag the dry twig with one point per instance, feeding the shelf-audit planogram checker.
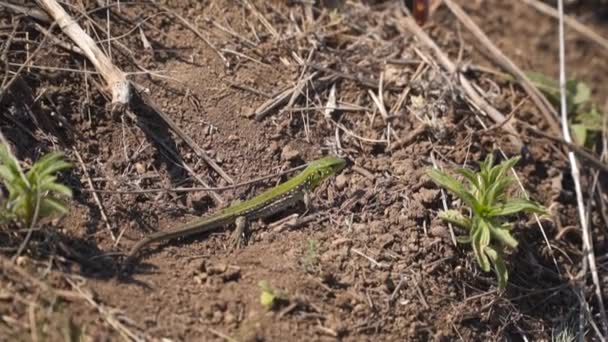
(95, 196)
(116, 80)
(570, 21)
(587, 242)
(469, 89)
(539, 99)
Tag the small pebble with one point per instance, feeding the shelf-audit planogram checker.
(217, 269)
(289, 153)
(140, 168)
(341, 181)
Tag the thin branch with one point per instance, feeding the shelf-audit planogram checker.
(178, 190)
(549, 113)
(570, 21)
(587, 243)
(116, 80)
(95, 197)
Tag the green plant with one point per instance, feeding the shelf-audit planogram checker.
(270, 298)
(586, 121)
(491, 209)
(35, 193)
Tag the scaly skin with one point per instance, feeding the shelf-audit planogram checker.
(263, 205)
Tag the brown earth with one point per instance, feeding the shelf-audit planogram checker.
(377, 264)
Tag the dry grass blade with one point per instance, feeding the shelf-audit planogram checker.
(116, 80)
(192, 28)
(28, 11)
(180, 133)
(549, 114)
(588, 252)
(570, 21)
(95, 196)
(470, 91)
(107, 313)
(580, 151)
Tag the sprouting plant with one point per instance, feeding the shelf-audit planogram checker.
(35, 193)
(587, 122)
(270, 298)
(311, 257)
(492, 210)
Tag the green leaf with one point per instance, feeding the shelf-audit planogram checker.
(58, 188)
(579, 133)
(499, 267)
(6, 173)
(49, 164)
(582, 94)
(496, 191)
(506, 165)
(49, 206)
(592, 120)
(38, 185)
(470, 176)
(454, 186)
(577, 93)
(481, 239)
(517, 205)
(547, 85)
(503, 235)
(463, 239)
(455, 217)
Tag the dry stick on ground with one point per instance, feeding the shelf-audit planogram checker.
(162, 143)
(116, 80)
(5, 85)
(107, 313)
(193, 145)
(549, 113)
(261, 18)
(587, 242)
(243, 39)
(28, 11)
(595, 162)
(7, 266)
(111, 72)
(57, 41)
(267, 107)
(95, 197)
(178, 190)
(195, 30)
(470, 91)
(353, 77)
(570, 21)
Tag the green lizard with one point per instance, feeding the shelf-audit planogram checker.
(263, 205)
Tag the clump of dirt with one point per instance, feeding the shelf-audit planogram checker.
(372, 260)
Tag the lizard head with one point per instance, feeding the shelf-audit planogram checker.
(320, 169)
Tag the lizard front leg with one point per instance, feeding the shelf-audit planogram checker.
(307, 203)
(239, 232)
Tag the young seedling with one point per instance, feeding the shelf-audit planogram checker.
(35, 193)
(492, 211)
(270, 298)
